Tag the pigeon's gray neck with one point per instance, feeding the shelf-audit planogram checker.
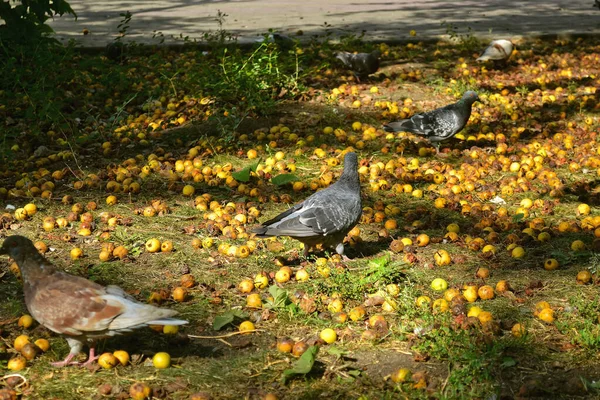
(350, 176)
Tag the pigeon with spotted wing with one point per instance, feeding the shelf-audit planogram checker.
(76, 308)
(323, 218)
(361, 64)
(439, 124)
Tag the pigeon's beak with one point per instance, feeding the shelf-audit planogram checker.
(3, 250)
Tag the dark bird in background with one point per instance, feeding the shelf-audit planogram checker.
(439, 124)
(361, 64)
(283, 41)
(76, 308)
(323, 218)
(116, 51)
(498, 51)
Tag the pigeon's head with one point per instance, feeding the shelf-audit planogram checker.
(470, 97)
(15, 246)
(376, 53)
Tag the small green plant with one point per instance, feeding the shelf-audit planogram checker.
(249, 85)
(221, 36)
(351, 40)
(594, 261)
(466, 41)
(117, 49)
(374, 276)
(523, 90)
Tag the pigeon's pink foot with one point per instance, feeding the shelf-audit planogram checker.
(345, 258)
(91, 358)
(67, 361)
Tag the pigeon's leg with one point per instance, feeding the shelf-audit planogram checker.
(340, 250)
(92, 356)
(76, 347)
(306, 249)
(437, 151)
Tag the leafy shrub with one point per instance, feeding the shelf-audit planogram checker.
(25, 21)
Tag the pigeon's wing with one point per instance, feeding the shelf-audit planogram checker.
(361, 64)
(416, 124)
(74, 306)
(444, 122)
(303, 222)
(424, 124)
(320, 215)
(322, 220)
(71, 305)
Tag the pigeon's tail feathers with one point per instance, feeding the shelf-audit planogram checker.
(389, 127)
(261, 231)
(134, 314)
(344, 57)
(405, 125)
(168, 321)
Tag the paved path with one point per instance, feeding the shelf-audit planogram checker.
(382, 20)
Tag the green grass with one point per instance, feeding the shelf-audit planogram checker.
(232, 100)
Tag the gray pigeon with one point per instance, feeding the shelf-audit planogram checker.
(498, 50)
(439, 124)
(361, 64)
(325, 217)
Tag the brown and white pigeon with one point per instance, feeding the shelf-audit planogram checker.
(325, 217)
(439, 124)
(76, 308)
(361, 64)
(498, 51)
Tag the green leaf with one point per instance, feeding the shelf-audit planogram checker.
(354, 372)
(508, 362)
(304, 364)
(561, 257)
(244, 174)
(280, 297)
(336, 351)
(380, 262)
(518, 217)
(284, 179)
(590, 384)
(227, 318)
